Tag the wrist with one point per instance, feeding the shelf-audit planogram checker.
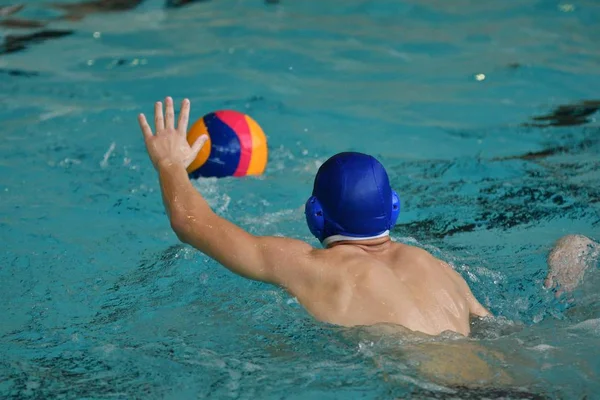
(167, 163)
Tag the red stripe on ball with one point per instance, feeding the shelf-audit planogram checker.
(237, 122)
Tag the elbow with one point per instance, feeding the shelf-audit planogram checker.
(180, 224)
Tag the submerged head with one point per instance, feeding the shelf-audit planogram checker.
(351, 200)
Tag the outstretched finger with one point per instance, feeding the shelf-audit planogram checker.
(184, 117)
(169, 114)
(146, 130)
(198, 144)
(159, 121)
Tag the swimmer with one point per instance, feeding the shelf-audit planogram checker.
(360, 277)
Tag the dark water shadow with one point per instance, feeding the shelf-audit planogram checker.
(567, 115)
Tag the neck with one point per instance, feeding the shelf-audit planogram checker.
(370, 245)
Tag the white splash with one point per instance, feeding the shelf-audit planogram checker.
(104, 162)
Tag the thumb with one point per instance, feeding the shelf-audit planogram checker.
(198, 144)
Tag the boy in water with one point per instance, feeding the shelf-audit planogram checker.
(361, 277)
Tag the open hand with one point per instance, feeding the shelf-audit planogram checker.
(169, 144)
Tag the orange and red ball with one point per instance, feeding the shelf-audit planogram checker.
(237, 146)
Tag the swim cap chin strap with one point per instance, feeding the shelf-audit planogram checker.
(315, 219)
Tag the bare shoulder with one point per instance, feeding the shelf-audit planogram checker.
(425, 259)
(415, 253)
(300, 267)
(436, 265)
(285, 247)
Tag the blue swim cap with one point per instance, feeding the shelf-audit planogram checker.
(351, 200)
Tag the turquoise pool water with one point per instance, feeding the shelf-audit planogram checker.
(100, 301)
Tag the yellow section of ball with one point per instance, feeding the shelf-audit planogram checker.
(197, 130)
(260, 151)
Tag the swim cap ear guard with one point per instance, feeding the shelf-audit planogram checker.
(315, 219)
(395, 208)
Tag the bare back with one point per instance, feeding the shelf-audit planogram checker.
(396, 284)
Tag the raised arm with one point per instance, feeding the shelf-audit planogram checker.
(275, 260)
(269, 259)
